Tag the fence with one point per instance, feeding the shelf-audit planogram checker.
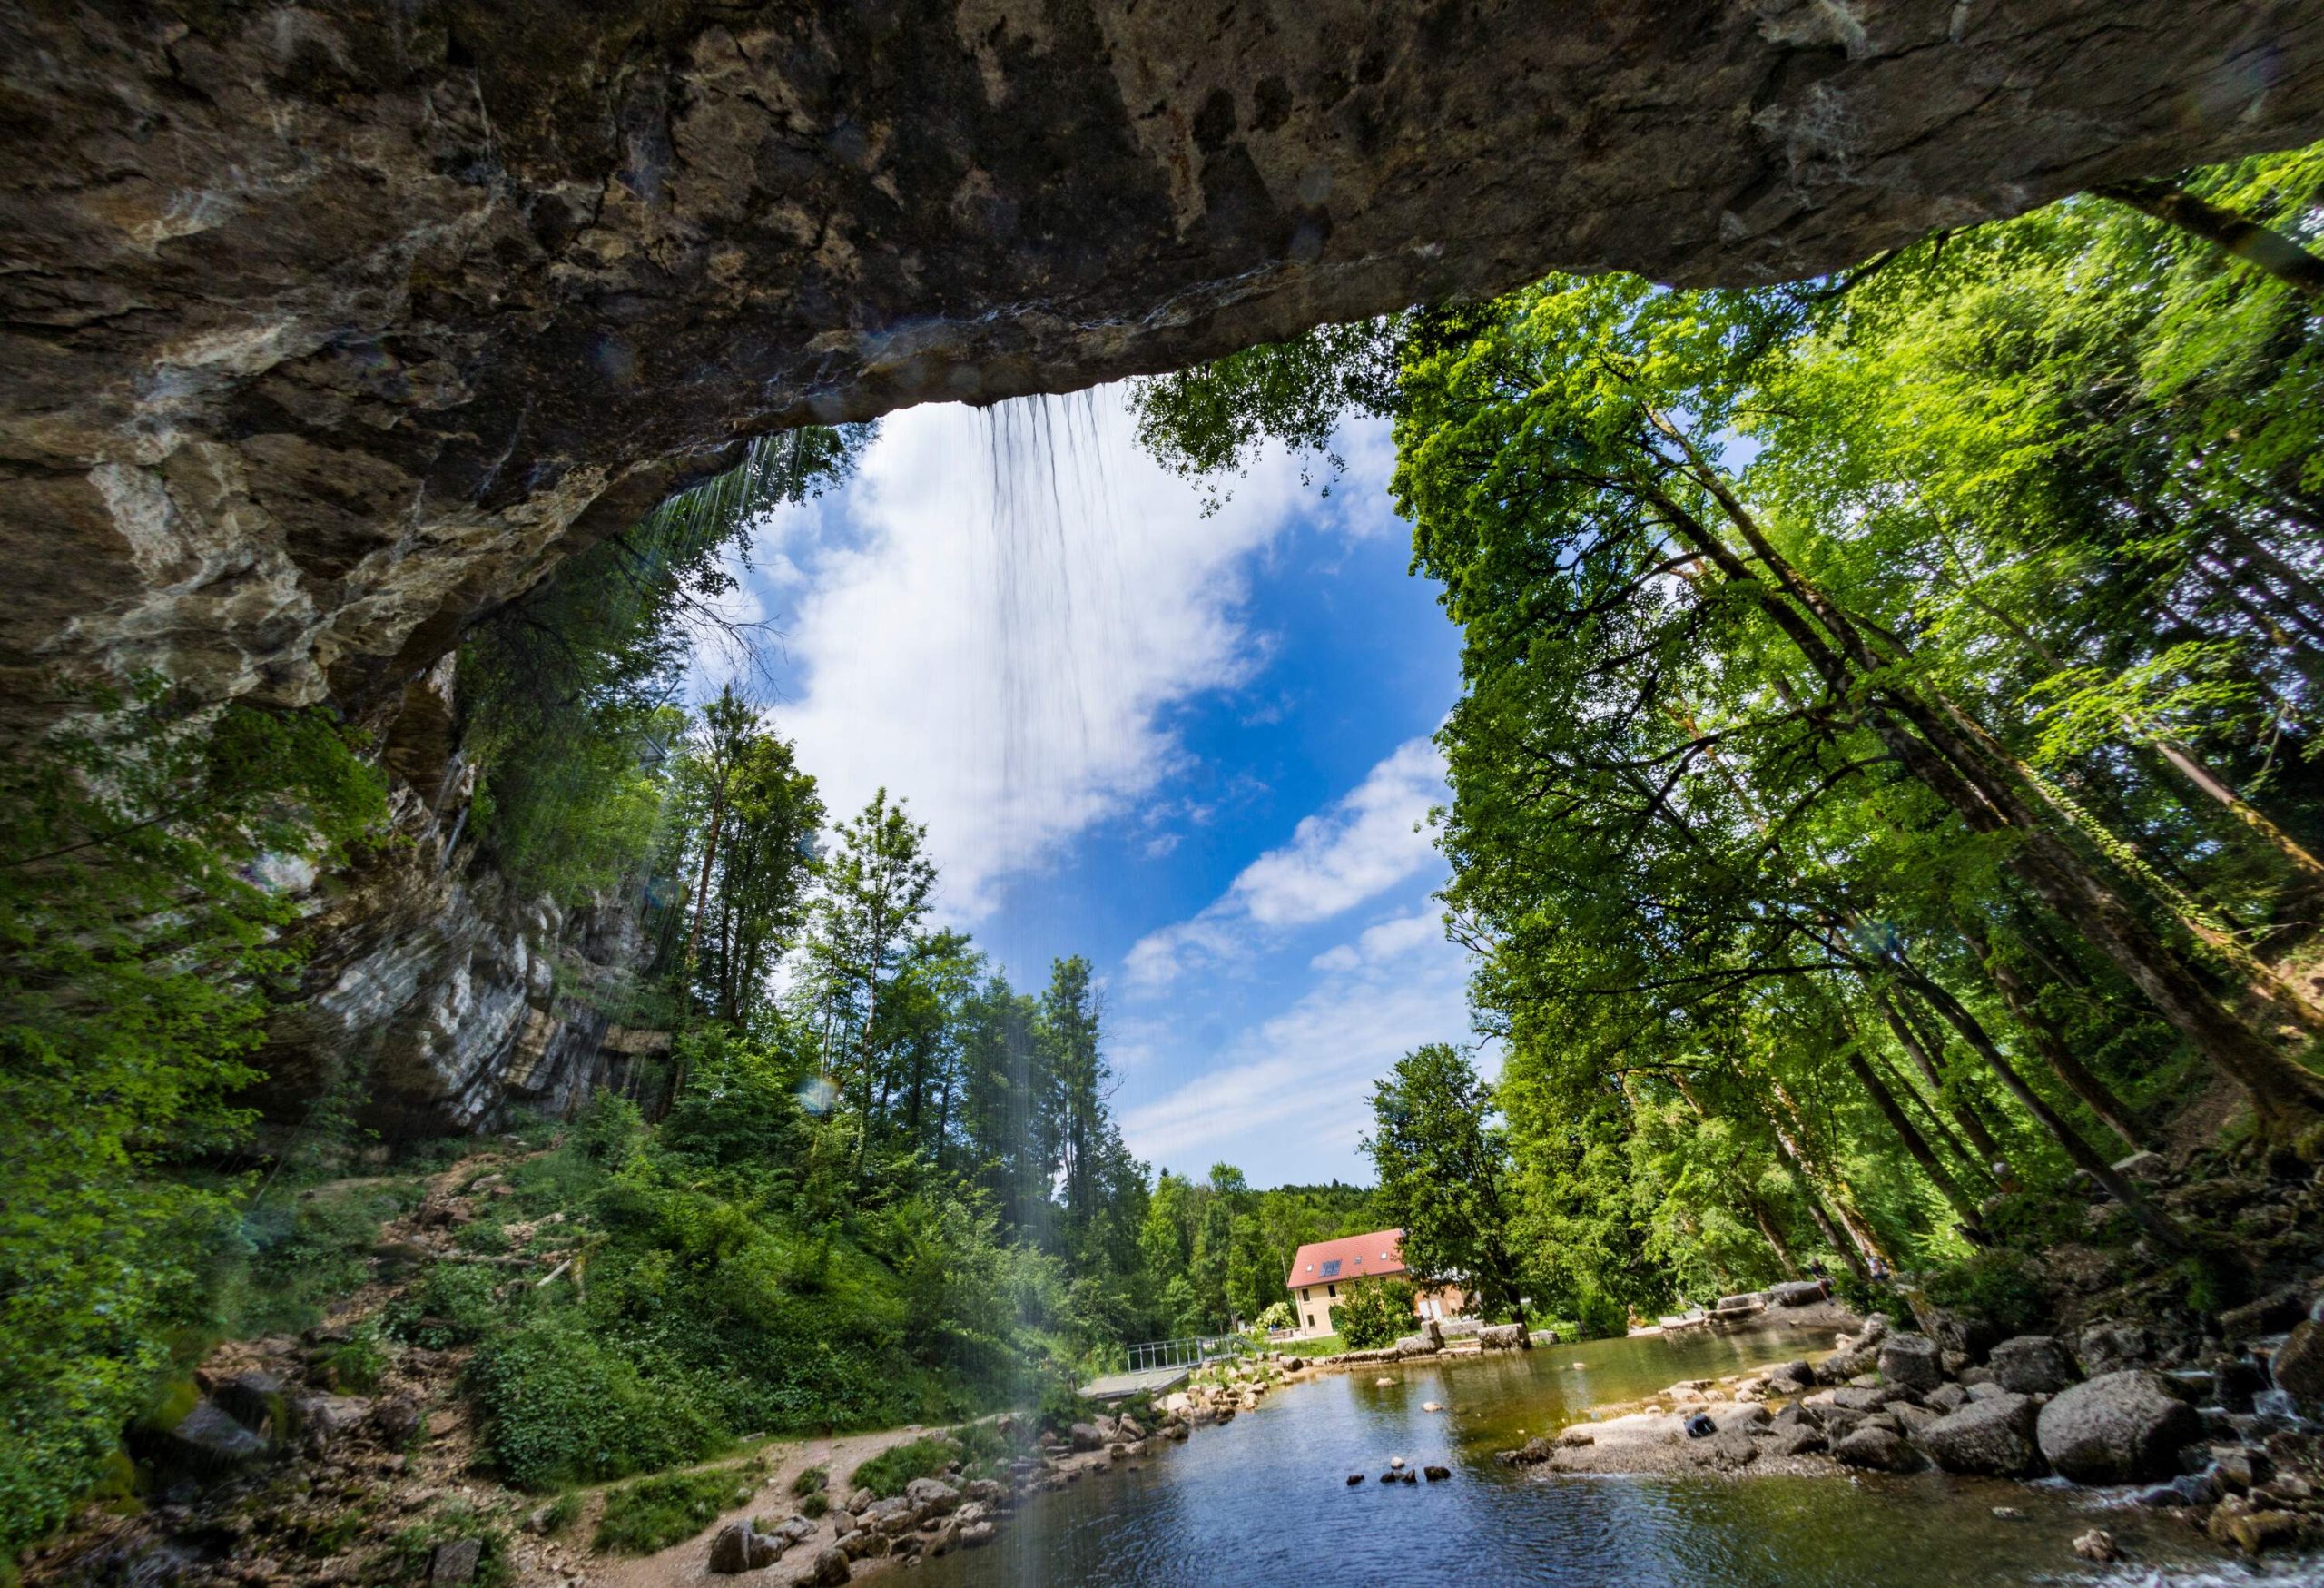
(1192, 1351)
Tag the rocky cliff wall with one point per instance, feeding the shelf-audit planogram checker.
(437, 996)
(329, 323)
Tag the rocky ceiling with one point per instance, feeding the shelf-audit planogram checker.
(328, 324)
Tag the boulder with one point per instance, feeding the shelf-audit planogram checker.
(1796, 1293)
(1503, 1338)
(2237, 1523)
(1946, 1397)
(932, 1496)
(2297, 1366)
(2117, 1429)
(255, 1400)
(892, 1517)
(861, 1500)
(1086, 1436)
(1992, 1437)
(2032, 1365)
(1436, 1474)
(2106, 1347)
(864, 1545)
(1877, 1449)
(1911, 1361)
(1731, 1449)
(206, 1442)
(455, 1560)
(1128, 1429)
(1797, 1440)
(741, 1547)
(831, 1567)
(793, 1529)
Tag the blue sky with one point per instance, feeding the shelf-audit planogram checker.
(1191, 746)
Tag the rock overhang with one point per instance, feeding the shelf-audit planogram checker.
(330, 325)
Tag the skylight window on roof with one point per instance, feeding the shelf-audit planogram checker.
(1331, 1268)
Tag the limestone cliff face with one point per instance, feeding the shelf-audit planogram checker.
(328, 323)
(436, 994)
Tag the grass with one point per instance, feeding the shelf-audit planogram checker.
(412, 1553)
(654, 1514)
(1314, 1345)
(887, 1473)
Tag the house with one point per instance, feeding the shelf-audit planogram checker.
(1325, 1272)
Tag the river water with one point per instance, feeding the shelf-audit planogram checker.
(1264, 1500)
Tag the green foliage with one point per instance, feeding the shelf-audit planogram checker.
(813, 1481)
(655, 1512)
(1374, 1313)
(887, 1473)
(566, 1407)
(566, 689)
(412, 1552)
(146, 873)
(2004, 1287)
(1445, 1178)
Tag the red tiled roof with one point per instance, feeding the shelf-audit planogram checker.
(1359, 1256)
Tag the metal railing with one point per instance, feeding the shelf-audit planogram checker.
(1192, 1351)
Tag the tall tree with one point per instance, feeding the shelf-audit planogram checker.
(1444, 1178)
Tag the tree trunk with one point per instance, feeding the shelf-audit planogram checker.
(2259, 246)
(1939, 744)
(2050, 1043)
(1902, 1085)
(1909, 1134)
(2079, 1151)
(1920, 1050)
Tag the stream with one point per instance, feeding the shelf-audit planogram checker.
(1265, 1499)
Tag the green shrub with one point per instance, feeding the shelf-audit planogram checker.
(354, 1365)
(887, 1473)
(561, 1406)
(656, 1513)
(412, 1550)
(1373, 1314)
(814, 1480)
(1599, 1317)
(813, 1506)
(1999, 1285)
(454, 1304)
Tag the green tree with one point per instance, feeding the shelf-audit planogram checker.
(1444, 1178)
(1375, 1313)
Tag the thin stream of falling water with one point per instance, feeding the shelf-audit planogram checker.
(1049, 549)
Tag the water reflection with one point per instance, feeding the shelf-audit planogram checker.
(1266, 1500)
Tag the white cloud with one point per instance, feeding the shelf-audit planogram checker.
(1314, 1064)
(996, 618)
(1365, 843)
(1390, 940)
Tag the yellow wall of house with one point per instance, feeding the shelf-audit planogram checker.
(1317, 1303)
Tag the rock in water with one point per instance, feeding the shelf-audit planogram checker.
(2097, 1545)
(2299, 1363)
(1994, 1437)
(1877, 1449)
(1436, 1474)
(1355, 1478)
(1911, 1361)
(2118, 1428)
(2032, 1365)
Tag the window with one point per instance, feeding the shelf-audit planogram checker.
(1303, 1294)
(1331, 1268)
(1331, 1290)
(1311, 1320)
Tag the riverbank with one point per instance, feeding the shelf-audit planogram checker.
(2222, 1453)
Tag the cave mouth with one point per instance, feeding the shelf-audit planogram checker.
(602, 870)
